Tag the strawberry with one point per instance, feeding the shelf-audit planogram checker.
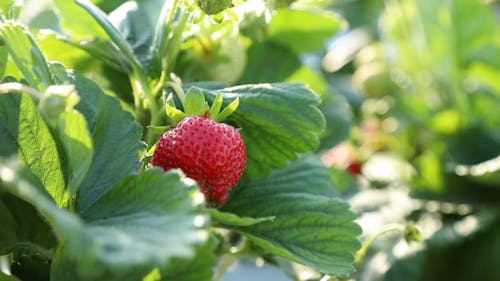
(354, 168)
(211, 153)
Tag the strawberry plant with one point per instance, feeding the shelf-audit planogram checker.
(136, 145)
(249, 140)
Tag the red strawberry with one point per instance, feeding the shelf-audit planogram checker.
(354, 168)
(211, 153)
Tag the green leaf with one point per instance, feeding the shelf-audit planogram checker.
(25, 134)
(116, 139)
(160, 45)
(153, 206)
(151, 215)
(307, 174)
(8, 236)
(470, 24)
(136, 21)
(308, 228)
(29, 262)
(25, 54)
(304, 31)
(114, 34)
(141, 222)
(484, 70)
(107, 52)
(224, 218)
(216, 105)
(173, 113)
(81, 55)
(195, 103)
(269, 62)
(473, 145)
(473, 26)
(4, 6)
(159, 129)
(154, 275)
(339, 120)
(277, 121)
(228, 110)
(22, 225)
(313, 78)
(77, 143)
(4, 55)
(199, 268)
(449, 41)
(76, 22)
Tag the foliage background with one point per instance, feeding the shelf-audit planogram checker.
(410, 93)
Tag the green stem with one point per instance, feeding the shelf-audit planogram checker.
(170, 52)
(178, 90)
(155, 117)
(172, 11)
(230, 258)
(174, 45)
(164, 72)
(18, 87)
(225, 262)
(161, 83)
(360, 255)
(141, 85)
(135, 92)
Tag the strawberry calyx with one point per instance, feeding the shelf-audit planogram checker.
(194, 104)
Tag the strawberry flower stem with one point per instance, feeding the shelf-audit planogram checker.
(164, 62)
(178, 90)
(172, 11)
(18, 87)
(224, 263)
(360, 255)
(369, 241)
(229, 259)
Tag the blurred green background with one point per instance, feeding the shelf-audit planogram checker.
(411, 93)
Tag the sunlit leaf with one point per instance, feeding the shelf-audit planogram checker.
(308, 228)
(142, 222)
(77, 143)
(77, 22)
(115, 137)
(303, 31)
(24, 133)
(25, 54)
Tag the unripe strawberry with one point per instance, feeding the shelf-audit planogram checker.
(213, 154)
(211, 7)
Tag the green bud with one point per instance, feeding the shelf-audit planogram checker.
(57, 100)
(412, 233)
(212, 7)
